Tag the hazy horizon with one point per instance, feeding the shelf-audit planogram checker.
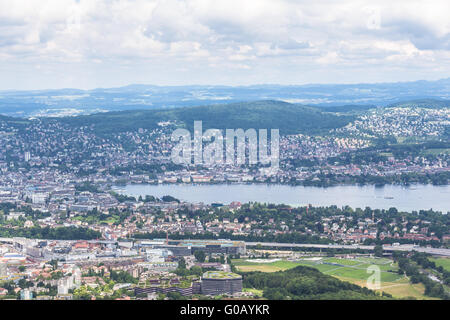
(227, 85)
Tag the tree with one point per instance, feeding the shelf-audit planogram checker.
(54, 264)
(200, 255)
(182, 263)
(196, 270)
(169, 199)
(378, 251)
(331, 252)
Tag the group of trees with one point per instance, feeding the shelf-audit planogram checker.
(195, 270)
(422, 260)
(96, 217)
(122, 277)
(412, 268)
(123, 198)
(10, 286)
(378, 251)
(147, 199)
(60, 233)
(200, 255)
(87, 186)
(305, 283)
(29, 213)
(291, 118)
(329, 179)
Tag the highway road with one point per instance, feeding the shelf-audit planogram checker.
(404, 247)
(408, 247)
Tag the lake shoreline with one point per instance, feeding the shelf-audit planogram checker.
(376, 185)
(409, 198)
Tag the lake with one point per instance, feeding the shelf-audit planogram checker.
(405, 198)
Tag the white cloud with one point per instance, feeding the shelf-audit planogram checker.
(329, 58)
(273, 37)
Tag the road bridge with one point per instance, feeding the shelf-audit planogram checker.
(408, 247)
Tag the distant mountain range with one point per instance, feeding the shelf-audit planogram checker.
(69, 102)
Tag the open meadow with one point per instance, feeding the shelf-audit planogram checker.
(444, 262)
(350, 269)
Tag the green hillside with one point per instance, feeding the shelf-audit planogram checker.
(423, 103)
(18, 123)
(289, 118)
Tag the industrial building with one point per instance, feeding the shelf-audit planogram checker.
(195, 288)
(213, 283)
(219, 282)
(188, 247)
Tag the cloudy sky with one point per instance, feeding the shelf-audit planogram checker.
(101, 43)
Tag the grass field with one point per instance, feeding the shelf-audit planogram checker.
(437, 151)
(401, 288)
(386, 154)
(247, 266)
(444, 262)
(254, 291)
(350, 270)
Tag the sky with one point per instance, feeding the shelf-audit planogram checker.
(108, 43)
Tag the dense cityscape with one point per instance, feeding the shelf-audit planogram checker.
(68, 234)
(209, 159)
(55, 152)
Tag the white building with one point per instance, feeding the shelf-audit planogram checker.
(26, 294)
(39, 198)
(69, 283)
(3, 270)
(14, 215)
(157, 255)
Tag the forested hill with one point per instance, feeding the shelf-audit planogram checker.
(289, 118)
(58, 102)
(14, 122)
(305, 283)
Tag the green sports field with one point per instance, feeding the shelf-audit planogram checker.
(281, 265)
(444, 262)
(353, 270)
